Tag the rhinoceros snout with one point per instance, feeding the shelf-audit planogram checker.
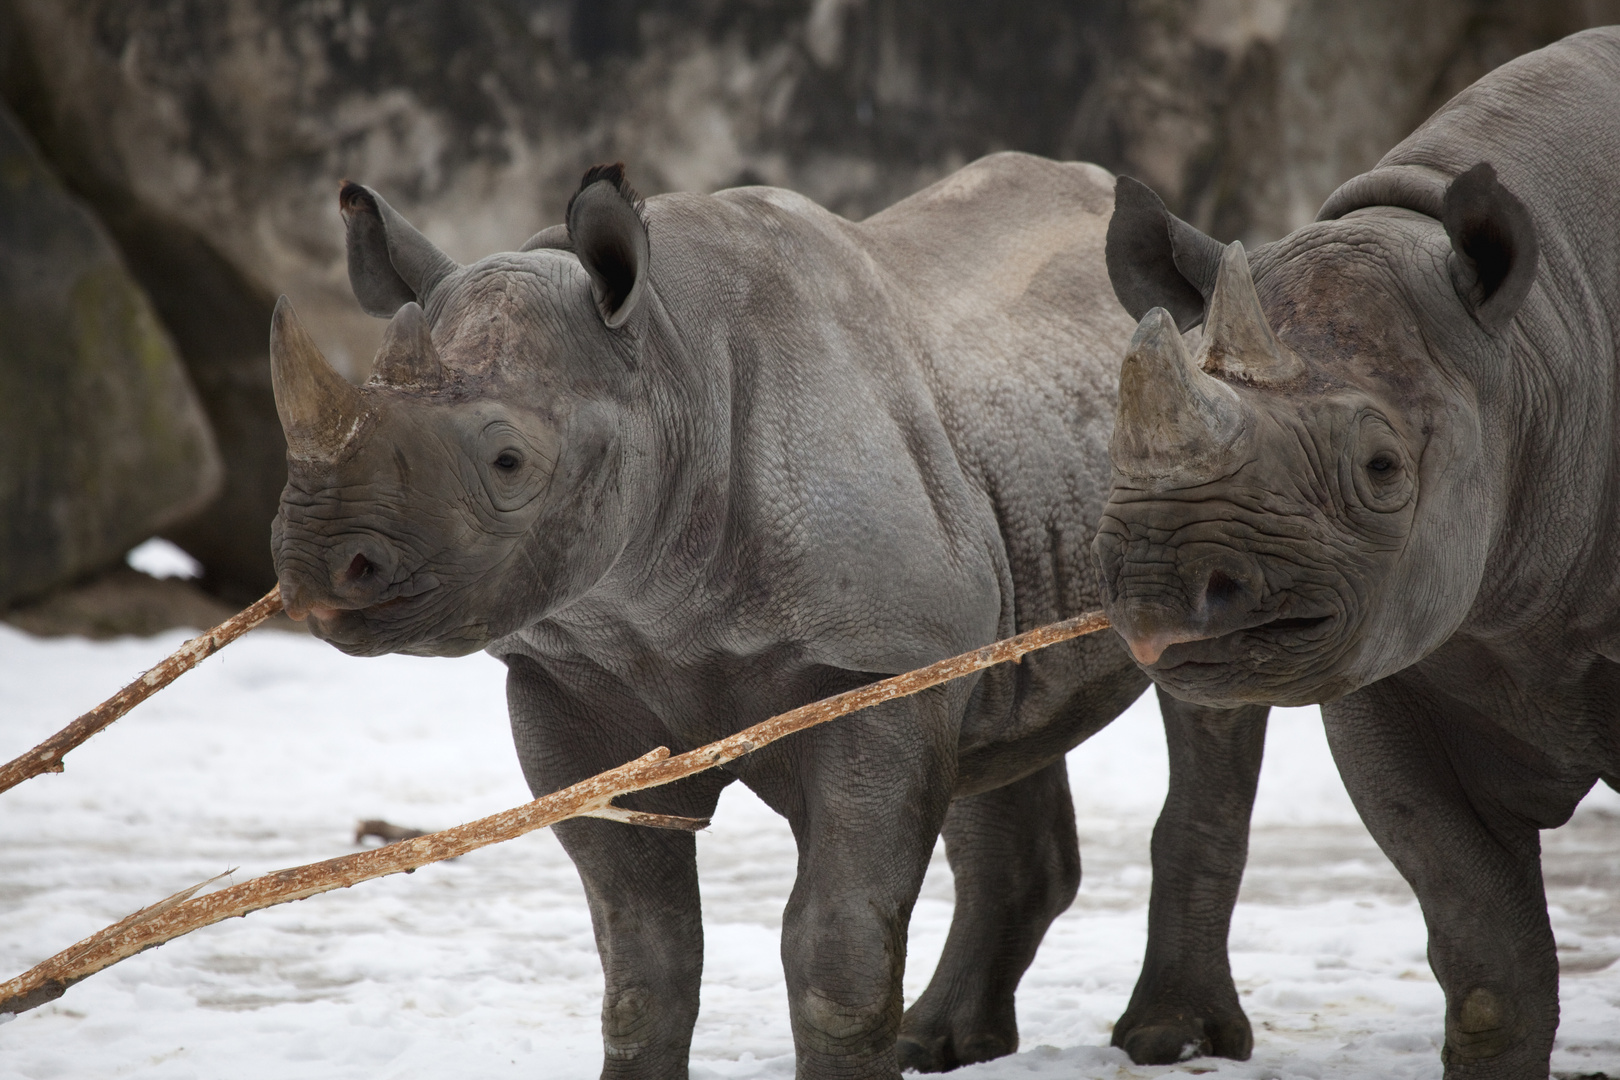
(354, 573)
(1156, 605)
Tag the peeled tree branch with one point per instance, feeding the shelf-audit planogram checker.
(47, 756)
(185, 912)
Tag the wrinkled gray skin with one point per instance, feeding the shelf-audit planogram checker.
(684, 475)
(1405, 502)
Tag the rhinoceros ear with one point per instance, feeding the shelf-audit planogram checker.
(609, 236)
(1157, 260)
(1493, 246)
(390, 263)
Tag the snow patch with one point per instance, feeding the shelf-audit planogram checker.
(268, 753)
(159, 558)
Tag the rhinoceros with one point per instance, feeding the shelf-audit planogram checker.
(687, 462)
(1386, 477)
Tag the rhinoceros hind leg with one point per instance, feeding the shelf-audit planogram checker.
(1185, 1004)
(1016, 863)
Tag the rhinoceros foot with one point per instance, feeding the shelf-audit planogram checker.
(942, 1032)
(947, 1050)
(1166, 1036)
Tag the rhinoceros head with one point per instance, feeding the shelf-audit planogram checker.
(1296, 502)
(474, 482)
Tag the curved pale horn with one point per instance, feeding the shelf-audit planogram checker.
(407, 357)
(320, 410)
(1238, 342)
(1175, 423)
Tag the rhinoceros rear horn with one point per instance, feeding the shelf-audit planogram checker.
(390, 263)
(1238, 342)
(608, 234)
(1157, 260)
(1493, 246)
(1175, 423)
(407, 356)
(320, 410)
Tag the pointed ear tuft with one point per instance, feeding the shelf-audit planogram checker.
(613, 174)
(608, 232)
(1493, 246)
(1157, 260)
(390, 263)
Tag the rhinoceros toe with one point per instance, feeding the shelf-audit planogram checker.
(946, 1051)
(1165, 1040)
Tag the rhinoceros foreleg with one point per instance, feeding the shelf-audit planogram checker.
(1185, 1004)
(1458, 805)
(641, 883)
(1016, 864)
(866, 797)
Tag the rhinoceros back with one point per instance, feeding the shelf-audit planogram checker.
(1001, 265)
(1547, 123)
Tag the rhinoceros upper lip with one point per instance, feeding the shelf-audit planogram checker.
(1223, 648)
(326, 613)
(328, 608)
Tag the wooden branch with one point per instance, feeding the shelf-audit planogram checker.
(47, 756)
(652, 821)
(592, 797)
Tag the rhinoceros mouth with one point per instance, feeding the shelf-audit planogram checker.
(1291, 636)
(1291, 624)
(393, 627)
(1292, 660)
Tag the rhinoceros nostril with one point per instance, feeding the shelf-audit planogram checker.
(360, 568)
(1220, 587)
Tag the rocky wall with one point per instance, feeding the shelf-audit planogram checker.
(211, 136)
(102, 439)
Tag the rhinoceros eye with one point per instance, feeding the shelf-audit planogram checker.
(1375, 469)
(507, 461)
(1383, 465)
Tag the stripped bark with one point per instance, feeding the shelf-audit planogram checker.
(592, 797)
(47, 756)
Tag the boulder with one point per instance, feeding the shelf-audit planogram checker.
(102, 439)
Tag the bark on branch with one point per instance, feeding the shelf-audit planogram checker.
(593, 797)
(47, 756)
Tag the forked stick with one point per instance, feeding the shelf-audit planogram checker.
(47, 756)
(588, 798)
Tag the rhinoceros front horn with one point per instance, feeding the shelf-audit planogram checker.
(1238, 342)
(1175, 423)
(320, 410)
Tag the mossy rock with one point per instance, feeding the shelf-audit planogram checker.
(102, 440)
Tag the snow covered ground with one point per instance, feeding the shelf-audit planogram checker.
(484, 967)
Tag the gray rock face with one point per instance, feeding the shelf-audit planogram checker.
(210, 138)
(102, 440)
